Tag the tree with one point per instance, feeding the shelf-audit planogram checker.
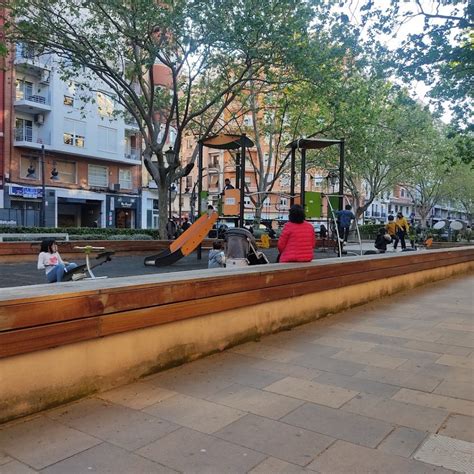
(209, 49)
(459, 188)
(440, 55)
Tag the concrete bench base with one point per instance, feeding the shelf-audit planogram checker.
(36, 380)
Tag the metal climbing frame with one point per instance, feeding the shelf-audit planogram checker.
(334, 227)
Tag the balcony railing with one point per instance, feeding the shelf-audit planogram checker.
(31, 135)
(36, 98)
(132, 154)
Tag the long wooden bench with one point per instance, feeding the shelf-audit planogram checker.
(60, 342)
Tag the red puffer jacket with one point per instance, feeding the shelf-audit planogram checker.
(296, 242)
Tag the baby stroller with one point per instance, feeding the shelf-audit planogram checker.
(241, 249)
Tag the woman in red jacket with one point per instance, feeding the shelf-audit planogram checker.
(297, 240)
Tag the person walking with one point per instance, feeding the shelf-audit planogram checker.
(297, 240)
(50, 261)
(344, 219)
(402, 229)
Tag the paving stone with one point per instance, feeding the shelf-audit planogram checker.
(456, 389)
(402, 442)
(263, 351)
(194, 413)
(116, 424)
(294, 445)
(107, 458)
(276, 466)
(370, 358)
(456, 405)
(405, 353)
(256, 401)
(137, 395)
(456, 326)
(347, 344)
(16, 467)
(400, 413)
(344, 458)
(360, 335)
(455, 340)
(447, 452)
(401, 378)
(4, 458)
(43, 441)
(459, 427)
(328, 364)
(456, 361)
(329, 395)
(456, 374)
(339, 424)
(438, 348)
(189, 451)
(296, 371)
(357, 384)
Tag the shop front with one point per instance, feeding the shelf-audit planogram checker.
(122, 211)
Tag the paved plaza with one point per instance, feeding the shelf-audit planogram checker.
(386, 387)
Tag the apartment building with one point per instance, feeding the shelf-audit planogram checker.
(68, 160)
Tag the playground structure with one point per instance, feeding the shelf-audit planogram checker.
(84, 272)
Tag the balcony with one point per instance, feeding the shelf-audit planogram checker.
(132, 154)
(32, 103)
(131, 124)
(31, 137)
(29, 60)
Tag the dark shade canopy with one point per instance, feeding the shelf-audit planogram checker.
(226, 141)
(313, 143)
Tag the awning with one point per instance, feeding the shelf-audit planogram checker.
(226, 141)
(313, 143)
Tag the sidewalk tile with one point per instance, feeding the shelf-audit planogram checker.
(258, 402)
(16, 467)
(438, 348)
(107, 458)
(294, 445)
(357, 384)
(191, 452)
(344, 458)
(456, 389)
(393, 411)
(116, 424)
(370, 358)
(329, 365)
(347, 344)
(194, 413)
(456, 405)
(339, 424)
(43, 441)
(310, 391)
(4, 458)
(263, 351)
(456, 361)
(137, 395)
(447, 452)
(276, 466)
(402, 442)
(459, 427)
(292, 370)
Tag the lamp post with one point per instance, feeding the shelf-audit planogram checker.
(43, 188)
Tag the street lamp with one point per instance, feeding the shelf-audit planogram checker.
(43, 188)
(170, 155)
(333, 178)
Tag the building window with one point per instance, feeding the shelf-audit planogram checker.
(105, 104)
(29, 167)
(402, 192)
(74, 133)
(23, 130)
(125, 178)
(98, 176)
(68, 101)
(107, 139)
(66, 171)
(24, 89)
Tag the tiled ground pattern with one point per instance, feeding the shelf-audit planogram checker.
(382, 388)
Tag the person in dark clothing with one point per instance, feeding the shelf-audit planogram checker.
(382, 240)
(227, 184)
(344, 219)
(185, 225)
(323, 232)
(171, 229)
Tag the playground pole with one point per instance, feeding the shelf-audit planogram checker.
(292, 175)
(242, 182)
(199, 206)
(303, 175)
(237, 170)
(341, 174)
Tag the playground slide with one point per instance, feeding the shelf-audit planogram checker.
(185, 243)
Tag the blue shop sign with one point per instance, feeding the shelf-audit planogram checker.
(26, 192)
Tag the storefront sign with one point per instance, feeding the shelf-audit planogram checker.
(26, 192)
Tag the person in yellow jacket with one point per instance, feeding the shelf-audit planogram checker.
(402, 229)
(391, 229)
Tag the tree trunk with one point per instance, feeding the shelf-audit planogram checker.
(163, 210)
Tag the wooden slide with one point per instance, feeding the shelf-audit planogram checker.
(186, 243)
